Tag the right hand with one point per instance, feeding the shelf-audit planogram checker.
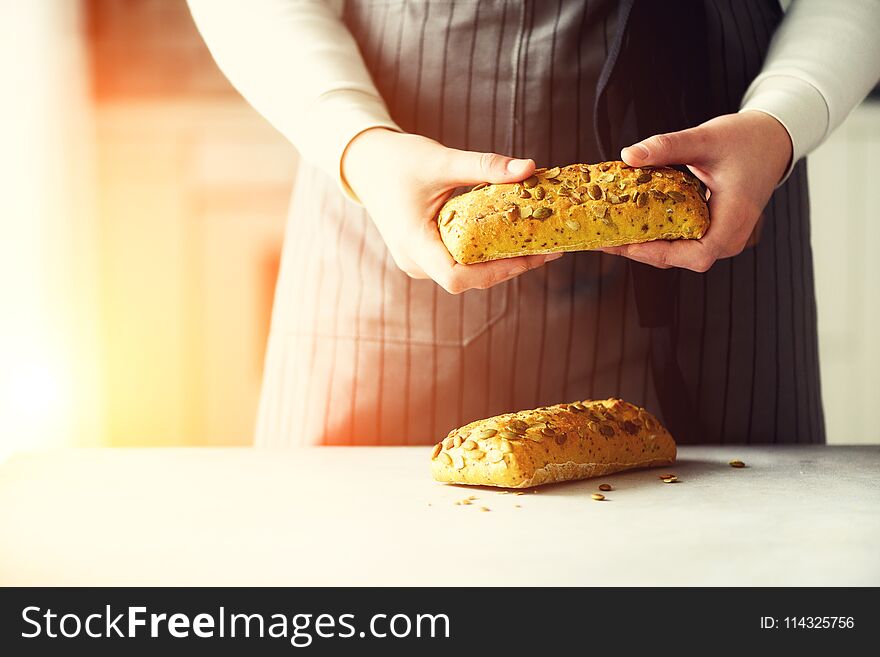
(403, 180)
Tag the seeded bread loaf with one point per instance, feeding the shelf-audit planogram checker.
(552, 444)
(573, 208)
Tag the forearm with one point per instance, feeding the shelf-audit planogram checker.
(823, 61)
(299, 66)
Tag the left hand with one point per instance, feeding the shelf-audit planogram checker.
(740, 158)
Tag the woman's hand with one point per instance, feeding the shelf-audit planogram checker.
(740, 158)
(403, 180)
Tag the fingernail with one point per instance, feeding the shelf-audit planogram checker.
(517, 167)
(636, 150)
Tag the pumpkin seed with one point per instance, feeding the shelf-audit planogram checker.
(737, 464)
(560, 439)
(613, 198)
(607, 178)
(530, 182)
(542, 213)
(524, 193)
(656, 193)
(555, 181)
(512, 212)
(606, 430)
(576, 198)
(604, 166)
(676, 196)
(595, 192)
(605, 487)
(518, 425)
(641, 199)
(573, 225)
(598, 497)
(643, 178)
(525, 212)
(552, 173)
(539, 192)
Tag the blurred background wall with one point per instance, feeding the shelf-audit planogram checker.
(143, 209)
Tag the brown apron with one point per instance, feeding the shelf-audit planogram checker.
(360, 354)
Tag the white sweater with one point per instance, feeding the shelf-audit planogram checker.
(297, 64)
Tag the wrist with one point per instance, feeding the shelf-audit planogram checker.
(775, 137)
(363, 154)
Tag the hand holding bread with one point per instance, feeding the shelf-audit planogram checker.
(740, 158)
(404, 179)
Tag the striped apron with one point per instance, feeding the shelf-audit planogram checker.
(360, 354)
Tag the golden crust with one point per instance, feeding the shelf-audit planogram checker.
(590, 206)
(552, 444)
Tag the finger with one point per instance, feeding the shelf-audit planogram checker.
(692, 146)
(687, 254)
(432, 256)
(466, 167)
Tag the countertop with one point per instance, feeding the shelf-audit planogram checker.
(373, 516)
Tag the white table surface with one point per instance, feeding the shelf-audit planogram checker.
(373, 516)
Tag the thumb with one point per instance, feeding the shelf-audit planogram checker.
(467, 167)
(691, 146)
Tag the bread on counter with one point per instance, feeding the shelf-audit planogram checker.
(573, 208)
(552, 444)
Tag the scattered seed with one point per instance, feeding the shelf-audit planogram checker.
(468, 445)
(737, 464)
(519, 493)
(605, 487)
(485, 508)
(437, 449)
(552, 173)
(445, 458)
(542, 213)
(456, 442)
(512, 212)
(487, 433)
(670, 480)
(667, 476)
(548, 431)
(519, 426)
(458, 462)
(538, 193)
(517, 506)
(447, 442)
(525, 194)
(643, 178)
(495, 456)
(530, 182)
(572, 224)
(598, 497)
(675, 196)
(595, 192)
(641, 199)
(525, 212)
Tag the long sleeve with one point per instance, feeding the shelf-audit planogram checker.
(823, 61)
(299, 66)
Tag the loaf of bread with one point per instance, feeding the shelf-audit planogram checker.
(573, 208)
(551, 444)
